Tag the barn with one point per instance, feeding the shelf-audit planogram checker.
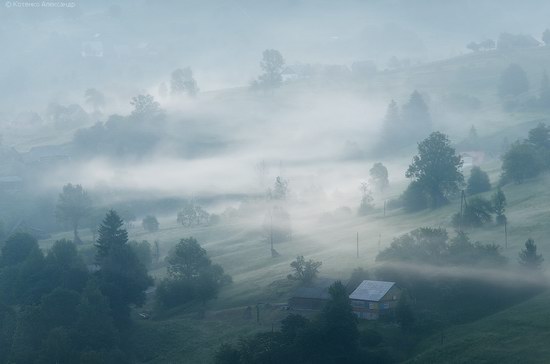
(374, 299)
(312, 296)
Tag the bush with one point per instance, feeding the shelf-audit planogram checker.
(478, 182)
(150, 223)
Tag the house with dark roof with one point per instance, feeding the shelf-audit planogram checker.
(374, 299)
(312, 296)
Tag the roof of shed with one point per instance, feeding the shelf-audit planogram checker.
(371, 290)
(317, 290)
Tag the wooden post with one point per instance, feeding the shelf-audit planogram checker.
(357, 244)
(271, 230)
(462, 197)
(506, 234)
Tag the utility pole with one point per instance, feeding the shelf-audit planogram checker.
(385, 208)
(357, 244)
(379, 240)
(271, 229)
(461, 209)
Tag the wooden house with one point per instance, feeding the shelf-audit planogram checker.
(374, 299)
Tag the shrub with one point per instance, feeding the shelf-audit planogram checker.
(150, 223)
(478, 181)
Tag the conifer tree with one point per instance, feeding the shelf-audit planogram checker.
(528, 257)
(111, 233)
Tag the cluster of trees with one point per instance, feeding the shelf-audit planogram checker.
(191, 276)
(330, 337)
(513, 88)
(193, 215)
(439, 273)
(485, 45)
(122, 136)
(478, 211)
(74, 206)
(61, 116)
(53, 310)
(528, 158)
(272, 65)
(182, 81)
(404, 126)
(304, 271)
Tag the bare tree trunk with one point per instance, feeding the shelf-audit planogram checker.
(76, 238)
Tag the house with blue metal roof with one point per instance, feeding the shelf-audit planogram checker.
(373, 299)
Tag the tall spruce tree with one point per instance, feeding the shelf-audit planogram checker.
(417, 121)
(111, 233)
(122, 277)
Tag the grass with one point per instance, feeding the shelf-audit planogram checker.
(518, 334)
(514, 334)
(240, 249)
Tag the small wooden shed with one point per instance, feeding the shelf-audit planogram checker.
(312, 296)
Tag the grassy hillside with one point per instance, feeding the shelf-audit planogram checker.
(239, 245)
(519, 334)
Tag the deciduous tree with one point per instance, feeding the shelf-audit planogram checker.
(73, 205)
(437, 169)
